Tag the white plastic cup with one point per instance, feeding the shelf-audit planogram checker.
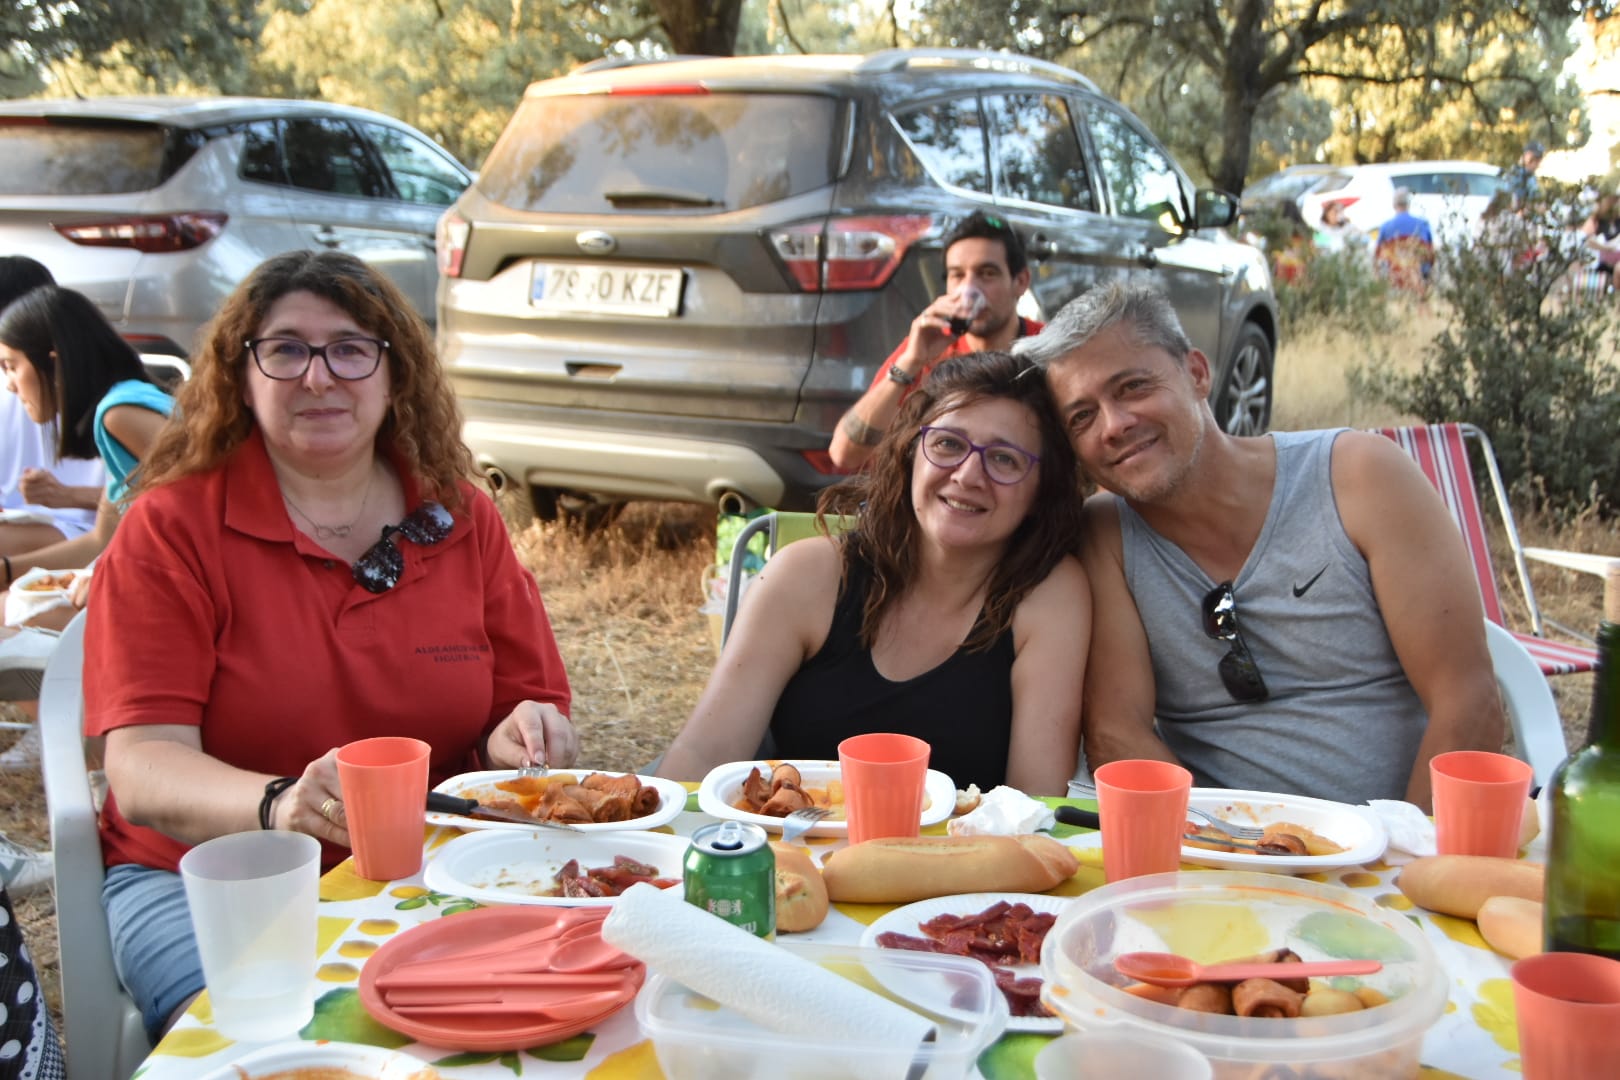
(253, 898)
(1111, 1053)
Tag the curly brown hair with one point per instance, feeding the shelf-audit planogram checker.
(879, 497)
(423, 422)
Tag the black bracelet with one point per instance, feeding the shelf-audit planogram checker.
(7, 559)
(272, 790)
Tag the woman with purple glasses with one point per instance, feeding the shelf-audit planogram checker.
(308, 563)
(953, 612)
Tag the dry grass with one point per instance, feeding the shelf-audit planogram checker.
(624, 603)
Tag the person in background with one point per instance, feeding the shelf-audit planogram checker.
(306, 563)
(29, 1047)
(1404, 252)
(1601, 235)
(1292, 612)
(986, 271)
(1521, 178)
(1335, 233)
(954, 611)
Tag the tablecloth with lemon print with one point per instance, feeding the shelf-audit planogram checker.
(1475, 1037)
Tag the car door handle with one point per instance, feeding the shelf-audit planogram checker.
(1040, 248)
(327, 236)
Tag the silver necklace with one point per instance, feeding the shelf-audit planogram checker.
(328, 532)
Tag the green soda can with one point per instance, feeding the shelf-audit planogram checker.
(731, 872)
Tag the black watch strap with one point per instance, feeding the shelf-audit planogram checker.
(904, 378)
(272, 791)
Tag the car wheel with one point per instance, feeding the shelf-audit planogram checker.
(1243, 400)
(553, 504)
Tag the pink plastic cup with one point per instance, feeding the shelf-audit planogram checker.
(1143, 806)
(1478, 802)
(1568, 1006)
(884, 776)
(384, 783)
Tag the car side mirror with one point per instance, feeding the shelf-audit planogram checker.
(1214, 209)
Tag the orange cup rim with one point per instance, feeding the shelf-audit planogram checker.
(1567, 971)
(905, 748)
(1464, 765)
(346, 755)
(1169, 776)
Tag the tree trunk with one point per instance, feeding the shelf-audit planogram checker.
(700, 27)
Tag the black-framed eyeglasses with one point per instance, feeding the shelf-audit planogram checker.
(1003, 462)
(1239, 673)
(285, 358)
(378, 570)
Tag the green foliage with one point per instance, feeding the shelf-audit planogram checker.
(1526, 359)
(1336, 290)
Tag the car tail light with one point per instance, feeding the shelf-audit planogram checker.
(451, 248)
(661, 90)
(152, 234)
(848, 253)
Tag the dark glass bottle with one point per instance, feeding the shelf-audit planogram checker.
(1583, 849)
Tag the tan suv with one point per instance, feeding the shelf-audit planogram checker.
(669, 280)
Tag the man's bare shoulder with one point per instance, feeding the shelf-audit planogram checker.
(1364, 461)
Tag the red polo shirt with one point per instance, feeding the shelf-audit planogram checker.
(957, 347)
(212, 609)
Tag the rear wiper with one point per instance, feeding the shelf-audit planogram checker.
(678, 198)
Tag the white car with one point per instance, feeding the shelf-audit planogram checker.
(1451, 195)
(156, 207)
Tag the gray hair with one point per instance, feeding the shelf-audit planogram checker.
(1142, 310)
(1403, 198)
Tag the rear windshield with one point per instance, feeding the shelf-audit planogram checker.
(78, 157)
(709, 153)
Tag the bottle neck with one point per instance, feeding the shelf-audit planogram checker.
(1604, 726)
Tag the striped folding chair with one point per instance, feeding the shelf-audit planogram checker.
(1441, 451)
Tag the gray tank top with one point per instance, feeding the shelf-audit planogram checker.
(1342, 721)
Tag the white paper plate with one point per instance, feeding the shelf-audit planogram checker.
(512, 867)
(481, 786)
(1356, 828)
(724, 783)
(908, 920)
(370, 1062)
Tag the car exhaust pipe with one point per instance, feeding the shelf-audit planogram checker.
(733, 502)
(498, 481)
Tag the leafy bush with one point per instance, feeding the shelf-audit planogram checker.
(1337, 289)
(1526, 357)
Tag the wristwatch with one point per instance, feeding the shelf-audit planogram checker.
(904, 378)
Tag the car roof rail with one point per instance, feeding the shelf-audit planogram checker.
(608, 63)
(899, 59)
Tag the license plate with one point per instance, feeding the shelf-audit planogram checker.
(607, 289)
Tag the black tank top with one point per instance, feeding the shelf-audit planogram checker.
(963, 707)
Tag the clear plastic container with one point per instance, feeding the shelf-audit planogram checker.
(696, 1039)
(1222, 915)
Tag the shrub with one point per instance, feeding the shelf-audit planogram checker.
(1525, 358)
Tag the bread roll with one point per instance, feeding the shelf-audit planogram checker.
(801, 895)
(898, 870)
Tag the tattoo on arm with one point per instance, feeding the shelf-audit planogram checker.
(860, 432)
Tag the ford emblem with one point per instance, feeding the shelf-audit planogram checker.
(595, 242)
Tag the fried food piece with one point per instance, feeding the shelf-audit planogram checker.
(1207, 997)
(1265, 997)
(785, 774)
(1164, 995)
(1310, 843)
(755, 792)
(786, 799)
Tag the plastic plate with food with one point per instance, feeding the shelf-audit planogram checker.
(522, 867)
(908, 920)
(485, 787)
(722, 789)
(284, 1060)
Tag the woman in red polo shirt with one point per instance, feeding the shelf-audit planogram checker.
(306, 563)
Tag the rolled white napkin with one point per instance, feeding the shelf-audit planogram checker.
(766, 984)
(1411, 833)
(1004, 811)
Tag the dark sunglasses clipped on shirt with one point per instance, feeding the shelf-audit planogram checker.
(1239, 673)
(378, 570)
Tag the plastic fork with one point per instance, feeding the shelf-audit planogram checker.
(802, 821)
(1079, 790)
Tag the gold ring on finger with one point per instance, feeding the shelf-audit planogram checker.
(326, 808)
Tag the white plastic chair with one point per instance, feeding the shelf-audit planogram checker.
(1538, 732)
(105, 1037)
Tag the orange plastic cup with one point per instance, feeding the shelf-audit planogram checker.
(384, 782)
(1478, 802)
(1143, 806)
(1568, 1006)
(884, 776)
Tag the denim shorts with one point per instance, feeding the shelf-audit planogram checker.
(154, 948)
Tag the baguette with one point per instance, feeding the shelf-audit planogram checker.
(898, 870)
(1460, 884)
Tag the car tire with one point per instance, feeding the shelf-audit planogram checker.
(1242, 399)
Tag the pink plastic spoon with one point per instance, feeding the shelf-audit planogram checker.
(1169, 969)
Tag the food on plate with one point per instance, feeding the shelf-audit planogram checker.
(899, 870)
(1511, 925)
(1460, 884)
(967, 801)
(801, 895)
(564, 797)
(1265, 997)
(785, 792)
(1280, 838)
(599, 881)
(1206, 997)
(1003, 933)
(1326, 1001)
(48, 582)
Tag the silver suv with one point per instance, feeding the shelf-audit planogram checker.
(671, 279)
(156, 207)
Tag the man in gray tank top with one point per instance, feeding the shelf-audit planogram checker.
(1289, 613)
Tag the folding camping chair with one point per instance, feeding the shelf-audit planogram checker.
(781, 529)
(1441, 451)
